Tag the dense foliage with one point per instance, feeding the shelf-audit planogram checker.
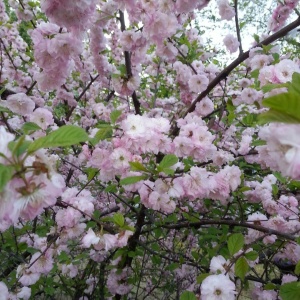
(137, 161)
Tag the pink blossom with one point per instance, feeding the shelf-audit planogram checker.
(159, 26)
(285, 69)
(197, 184)
(70, 270)
(26, 277)
(68, 217)
(217, 287)
(3, 291)
(249, 96)
(70, 14)
(122, 238)
(204, 107)
(198, 83)
(260, 60)
(116, 282)
(20, 104)
(231, 43)
(185, 6)
(42, 117)
(219, 264)
(24, 293)
(5, 138)
(288, 278)
(41, 263)
(161, 202)
(225, 10)
(105, 241)
(90, 239)
(284, 147)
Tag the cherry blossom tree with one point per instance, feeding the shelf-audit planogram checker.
(139, 160)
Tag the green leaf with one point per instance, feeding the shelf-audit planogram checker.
(65, 136)
(122, 69)
(244, 189)
(275, 189)
(187, 295)
(6, 173)
(172, 266)
(270, 286)
(168, 171)
(276, 116)
(114, 115)
(252, 255)
(279, 176)
(256, 37)
(294, 86)
(201, 277)
(19, 146)
(30, 127)
(267, 48)
(4, 109)
(102, 134)
(258, 143)
(269, 87)
(290, 291)
(286, 105)
(137, 166)
(91, 173)
(297, 268)
(132, 179)
(241, 267)
(254, 74)
(235, 243)
(250, 119)
(112, 188)
(119, 219)
(167, 162)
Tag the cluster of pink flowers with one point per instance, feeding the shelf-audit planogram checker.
(53, 53)
(69, 14)
(127, 72)
(282, 149)
(281, 14)
(27, 195)
(231, 43)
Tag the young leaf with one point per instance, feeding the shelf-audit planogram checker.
(102, 134)
(167, 162)
(187, 295)
(67, 135)
(201, 277)
(252, 255)
(241, 267)
(119, 219)
(276, 116)
(114, 115)
(19, 146)
(297, 268)
(132, 179)
(30, 127)
(235, 243)
(290, 291)
(112, 188)
(295, 85)
(286, 104)
(6, 173)
(137, 166)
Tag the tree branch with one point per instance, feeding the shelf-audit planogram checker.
(136, 102)
(277, 35)
(197, 225)
(237, 27)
